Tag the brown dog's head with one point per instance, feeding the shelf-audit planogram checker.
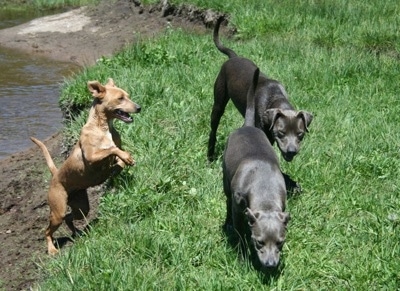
(268, 233)
(114, 101)
(288, 128)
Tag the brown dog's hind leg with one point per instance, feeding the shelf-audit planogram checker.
(58, 208)
(53, 226)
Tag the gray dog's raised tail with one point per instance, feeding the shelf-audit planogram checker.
(249, 118)
(49, 160)
(230, 53)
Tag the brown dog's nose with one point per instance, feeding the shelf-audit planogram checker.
(138, 108)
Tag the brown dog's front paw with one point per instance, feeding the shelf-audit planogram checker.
(133, 162)
(128, 160)
(120, 163)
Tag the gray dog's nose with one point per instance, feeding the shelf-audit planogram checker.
(271, 263)
(289, 155)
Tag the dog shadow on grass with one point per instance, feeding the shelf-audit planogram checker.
(61, 242)
(247, 253)
(293, 188)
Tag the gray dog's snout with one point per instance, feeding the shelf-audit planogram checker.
(288, 156)
(290, 152)
(271, 263)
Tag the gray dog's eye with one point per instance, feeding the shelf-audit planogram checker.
(281, 133)
(259, 244)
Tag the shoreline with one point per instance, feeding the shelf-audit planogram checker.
(32, 149)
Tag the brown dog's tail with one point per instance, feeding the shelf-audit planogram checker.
(230, 53)
(249, 118)
(46, 154)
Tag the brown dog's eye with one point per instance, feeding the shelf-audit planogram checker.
(121, 98)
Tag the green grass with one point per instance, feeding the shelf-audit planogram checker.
(160, 227)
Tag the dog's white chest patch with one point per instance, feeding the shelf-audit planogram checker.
(108, 141)
(109, 136)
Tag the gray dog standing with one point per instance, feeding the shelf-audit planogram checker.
(273, 112)
(255, 188)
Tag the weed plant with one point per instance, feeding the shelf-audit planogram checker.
(160, 227)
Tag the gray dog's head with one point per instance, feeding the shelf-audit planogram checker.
(288, 128)
(268, 232)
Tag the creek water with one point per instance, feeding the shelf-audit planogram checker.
(29, 92)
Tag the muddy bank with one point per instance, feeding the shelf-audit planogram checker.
(85, 34)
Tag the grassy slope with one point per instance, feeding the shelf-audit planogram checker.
(160, 228)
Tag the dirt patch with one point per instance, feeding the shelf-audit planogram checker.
(83, 35)
(80, 36)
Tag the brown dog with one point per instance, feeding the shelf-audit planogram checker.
(96, 156)
(273, 113)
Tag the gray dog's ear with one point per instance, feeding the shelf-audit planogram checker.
(272, 115)
(284, 217)
(306, 116)
(240, 199)
(251, 216)
(96, 89)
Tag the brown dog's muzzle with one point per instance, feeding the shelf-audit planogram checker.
(125, 116)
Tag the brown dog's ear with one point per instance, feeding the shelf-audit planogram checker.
(272, 115)
(284, 217)
(250, 216)
(110, 82)
(307, 118)
(96, 89)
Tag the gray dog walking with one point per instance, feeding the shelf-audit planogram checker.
(273, 112)
(255, 188)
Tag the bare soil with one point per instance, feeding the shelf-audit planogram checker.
(80, 36)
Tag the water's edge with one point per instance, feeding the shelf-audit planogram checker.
(29, 92)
